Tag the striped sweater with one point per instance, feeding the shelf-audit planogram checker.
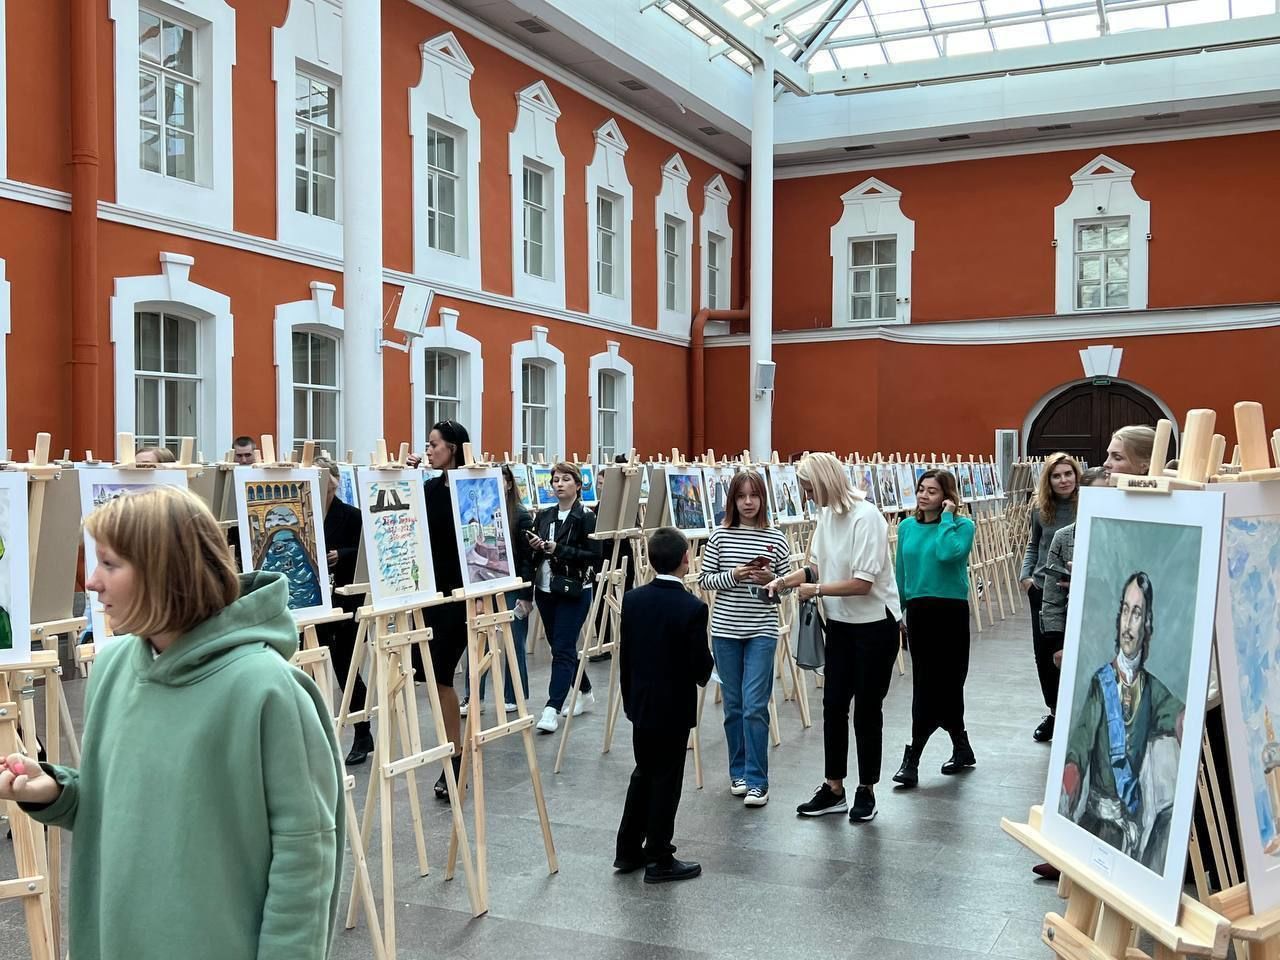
(737, 613)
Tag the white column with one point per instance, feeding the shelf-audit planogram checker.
(761, 254)
(362, 223)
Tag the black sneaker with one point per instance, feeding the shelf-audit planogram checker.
(824, 800)
(1044, 732)
(864, 805)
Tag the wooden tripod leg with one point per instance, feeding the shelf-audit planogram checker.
(53, 698)
(569, 705)
(386, 809)
(801, 687)
(615, 692)
(358, 654)
(775, 734)
(361, 883)
(1229, 877)
(68, 728)
(695, 742)
(407, 748)
(379, 757)
(531, 757)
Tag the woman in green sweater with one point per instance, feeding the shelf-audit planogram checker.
(206, 808)
(933, 581)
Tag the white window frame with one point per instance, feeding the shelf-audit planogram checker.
(1102, 253)
(6, 327)
(310, 41)
(208, 201)
(546, 407)
(673, 203)
(161, 73)
(167, 378)
(715, 227)
(442, 97)
(607, 174)
(546, 235)
(872, 210)
(316, 315)
(534, 140)
(538, 349)
(612, 362)
(873, 268)
(312, 127)
(1101, 190)
(171, 291)
(467, 349)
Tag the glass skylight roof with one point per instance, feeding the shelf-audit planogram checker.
(846, 34)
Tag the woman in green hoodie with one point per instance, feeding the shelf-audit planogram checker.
(206, 809)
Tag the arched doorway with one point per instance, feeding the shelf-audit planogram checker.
(1080, 418)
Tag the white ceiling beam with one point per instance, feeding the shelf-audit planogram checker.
(751, 41)
(835, 16)
(1115, 48)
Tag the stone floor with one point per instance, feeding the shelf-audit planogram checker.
(932, 877)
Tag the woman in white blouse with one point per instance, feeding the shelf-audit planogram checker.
(851, 571)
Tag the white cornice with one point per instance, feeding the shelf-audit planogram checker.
(114, 213)
(1089, 326)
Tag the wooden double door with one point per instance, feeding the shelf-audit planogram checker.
(1081, 419)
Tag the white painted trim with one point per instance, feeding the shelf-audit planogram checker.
(608, 172)
(114, 213)
(209, 200)
(6, 327)
(172, 290)
(4, 107)
(534, 138)
(673, 201)
(871, 209)
(612, 361)
(1099, 195)
(468, 350)
(312, 34)
(506, 45)
(1079, 326)
(715, 219)
(316, 315)
(1040, 145)
(1038, 407)
(444, 92)
(537, 349)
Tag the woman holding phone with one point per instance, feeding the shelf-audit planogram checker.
(742, 555)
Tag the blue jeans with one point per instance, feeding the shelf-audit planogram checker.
(563, 618)
(519, 636)
(746, 679)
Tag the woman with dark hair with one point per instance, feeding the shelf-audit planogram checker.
(932, 570)
(741, 556)
(565, 558)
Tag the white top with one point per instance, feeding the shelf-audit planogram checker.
(855, 546)
(544, 565)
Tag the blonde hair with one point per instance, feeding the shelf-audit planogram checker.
(183, 568)
(831, 486)
(163, 454)
(1046, 499)
(1139, 442)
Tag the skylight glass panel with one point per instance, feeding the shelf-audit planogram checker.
(1144, 18)
(967, 41)
(858, 25)
(1198, 11)
(905, 51)
(699, 28)
(739, 58)
(676, 13)
(952, 12)
(752, 19)
(893, 16)
(1082, 6)
(1252, 8)
(864, 55)
(738, 8)
(823, 61)
(1004, 8)
(1019, 35)
(1073, 28)
(804, 22)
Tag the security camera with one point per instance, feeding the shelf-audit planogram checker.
(1101, 208)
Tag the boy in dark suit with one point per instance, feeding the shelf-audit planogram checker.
(664, 659)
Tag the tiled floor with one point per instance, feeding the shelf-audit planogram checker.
(932, 877)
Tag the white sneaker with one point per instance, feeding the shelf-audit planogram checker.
(464, 707)
(511, 707)
(585, 702)
(548, 723)
(756, 797)
(738, 788)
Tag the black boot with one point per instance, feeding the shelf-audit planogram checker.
(361, 746)
(909, 773)
(961, 754)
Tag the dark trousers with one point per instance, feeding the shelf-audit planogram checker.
(563, 618)
(653, 796)
(938, 634)
(860, 659)
(1050, 675)
(340, 638)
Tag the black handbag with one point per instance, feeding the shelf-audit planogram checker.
(566, 587)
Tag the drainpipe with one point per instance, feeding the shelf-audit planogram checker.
(698, 371)
(84, 228)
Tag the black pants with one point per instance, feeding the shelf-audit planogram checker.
(649, 817)
(340, 638)
(1050, 674)
(860, 659)
(938, 632)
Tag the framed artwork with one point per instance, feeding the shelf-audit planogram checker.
(918, 471)
(718, 480)
(541, 478)
(346, 491)
(590, 490)
(282, 530)
(886, 487)
(1135, 671)
(784, 494)
(524, 486)
(97, 486)
(906, 486)
(867, 482)
(964, 477)
(1249, 675)
(619, 501)
(644, 482)
(997, 481)
(687, 495)
(482, 529)
(394, 527)
(15, 571)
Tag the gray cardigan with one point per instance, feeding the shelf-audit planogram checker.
(1042, 537)
(1053, 607)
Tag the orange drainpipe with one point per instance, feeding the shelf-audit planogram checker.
(698, 371)
(84, 226)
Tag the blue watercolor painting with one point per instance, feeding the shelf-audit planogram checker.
(483, 537)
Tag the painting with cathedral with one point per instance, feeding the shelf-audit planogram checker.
(282, 531)
(1249, 672)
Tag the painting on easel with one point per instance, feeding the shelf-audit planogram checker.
(397, 548)
(644, 483)
(282, 530)
(347, 485)
(481, 528)
(97, 486)
(718, 480)
(1121, 787)
(784, 492)
(590, 491)
(542, 486)
(524, 487)
(687, 494)
(15, 573)
(1249, 669)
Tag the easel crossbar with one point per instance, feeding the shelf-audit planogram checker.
(417, 760)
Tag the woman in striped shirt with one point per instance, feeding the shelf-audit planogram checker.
(742, 556)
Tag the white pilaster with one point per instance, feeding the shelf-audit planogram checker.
(761, 254)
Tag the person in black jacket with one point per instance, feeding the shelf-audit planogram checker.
(342, 524)
(565, 559)
(664, 658)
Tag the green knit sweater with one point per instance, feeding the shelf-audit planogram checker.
(207, 806)
(933, 558)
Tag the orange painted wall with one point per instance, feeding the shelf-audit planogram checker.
(984, 229)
